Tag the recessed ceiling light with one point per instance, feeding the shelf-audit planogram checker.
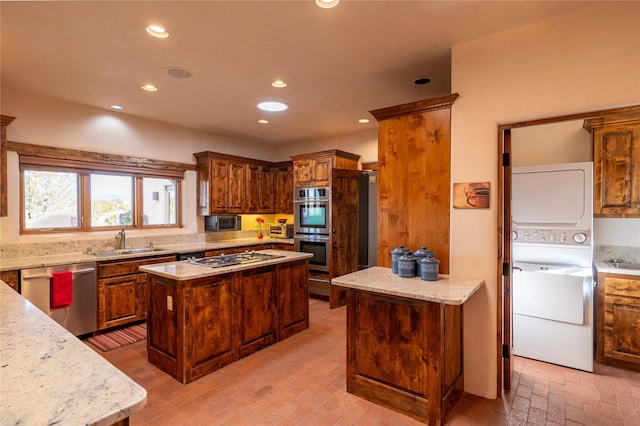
(149, 87)
(116, 107)
(363, 120)
(178, 72)
(157, 31)
(279, 84)
(422, 81)
(273, 106)
(263, 121)
(327, 4)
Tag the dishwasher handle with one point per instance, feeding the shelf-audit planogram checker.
(78, 272)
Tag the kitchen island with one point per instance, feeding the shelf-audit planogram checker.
(202, 318)
(404, 340)
(50, 377)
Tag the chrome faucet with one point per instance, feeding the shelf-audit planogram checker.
(121, 236)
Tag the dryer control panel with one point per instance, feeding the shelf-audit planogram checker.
(552, 236)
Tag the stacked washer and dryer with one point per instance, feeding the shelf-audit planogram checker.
(553, 285)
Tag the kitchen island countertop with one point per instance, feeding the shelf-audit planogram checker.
(448, 289)
(185, 271)
(50, 377)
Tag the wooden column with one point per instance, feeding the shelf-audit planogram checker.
(4, 207)
(414, 171)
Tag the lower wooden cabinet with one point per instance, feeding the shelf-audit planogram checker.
(12, 278)
(618, 336)
(122, 291)
(256, 290)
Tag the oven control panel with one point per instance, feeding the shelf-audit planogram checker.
(552, 236)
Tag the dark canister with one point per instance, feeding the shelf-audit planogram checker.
(429, 267)
(422, 252)
(395, 254)
(407, 266)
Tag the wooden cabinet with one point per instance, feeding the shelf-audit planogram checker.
(221, 185)
(5, 120)
(198, 326)
(256, 290)
(618, 319)
(283, 185)
(259, 189)
(314, 169)
(12, 278)
(122, 291)
(293, 293)
(230, 184)
(405, 354)
(414, 170)
(616, 164)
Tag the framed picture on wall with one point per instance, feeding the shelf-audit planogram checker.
(471, 195)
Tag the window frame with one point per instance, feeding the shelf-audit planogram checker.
(39, 158)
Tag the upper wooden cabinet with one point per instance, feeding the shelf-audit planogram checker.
(414, 169)
(4, 123)
(314, 169)
(230, 184)
(283, 184)
(616, 164)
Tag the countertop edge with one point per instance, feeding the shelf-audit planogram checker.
(602, 267)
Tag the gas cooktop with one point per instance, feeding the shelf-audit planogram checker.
(233, 259)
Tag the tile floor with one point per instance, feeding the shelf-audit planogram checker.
(301, 381)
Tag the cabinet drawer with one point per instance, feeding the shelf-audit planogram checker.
(123, 267)
(622, 286)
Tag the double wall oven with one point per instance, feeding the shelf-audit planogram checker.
(312, 209)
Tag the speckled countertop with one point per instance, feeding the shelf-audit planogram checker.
(51, 377)
(183, 271)
(8, 264)
(448, 289)
(601, 266)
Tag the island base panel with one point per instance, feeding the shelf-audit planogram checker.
(405, 354)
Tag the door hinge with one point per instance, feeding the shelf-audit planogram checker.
(505, 351)
(506, 159)
(505, 269)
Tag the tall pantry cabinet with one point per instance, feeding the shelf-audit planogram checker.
(414, 173)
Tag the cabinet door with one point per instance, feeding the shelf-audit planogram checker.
(236, 187)
(293, 298)
(283, 202)
(259, 193)
(256, 293)
(119, 300)
(619, 318)
(321, 171)
(302, 173)
(11, 278)
(616, 159)
(219, 186)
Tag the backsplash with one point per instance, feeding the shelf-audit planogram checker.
(83, 246)
(626, 253)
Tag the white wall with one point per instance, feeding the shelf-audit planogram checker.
(581, 61)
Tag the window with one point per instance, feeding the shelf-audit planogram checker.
(51, 200)
(64, 189)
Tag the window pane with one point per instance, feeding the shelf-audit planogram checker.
(160, 201)
(111, 200)
(50, 200)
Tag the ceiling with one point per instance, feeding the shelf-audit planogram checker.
(338, 63)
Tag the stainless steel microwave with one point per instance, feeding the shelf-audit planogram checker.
(312, 210)
(222, 223)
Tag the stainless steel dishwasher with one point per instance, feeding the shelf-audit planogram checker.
(80, 317)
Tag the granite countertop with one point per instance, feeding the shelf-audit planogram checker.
(601, 266)
(448, 289)
(8, 264)
(184, 271)
(51, 377)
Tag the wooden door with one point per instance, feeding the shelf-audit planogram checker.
(321, 171)
(293, 298)
(344, 229)
(283, 202)
(302, 173)
(118, 300)
(506, 301)
(219, 186)
(257, 309)
(236, 187)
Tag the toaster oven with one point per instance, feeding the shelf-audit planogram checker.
(280, 230)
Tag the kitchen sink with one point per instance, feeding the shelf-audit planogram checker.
(120, 252)
(624, 265)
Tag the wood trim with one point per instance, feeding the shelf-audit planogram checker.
(5, 120)
(414, 107)
(87, 159)
(209, 154)
(373, 166)
(328, 153)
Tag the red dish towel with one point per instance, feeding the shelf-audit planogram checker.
(61, 289)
